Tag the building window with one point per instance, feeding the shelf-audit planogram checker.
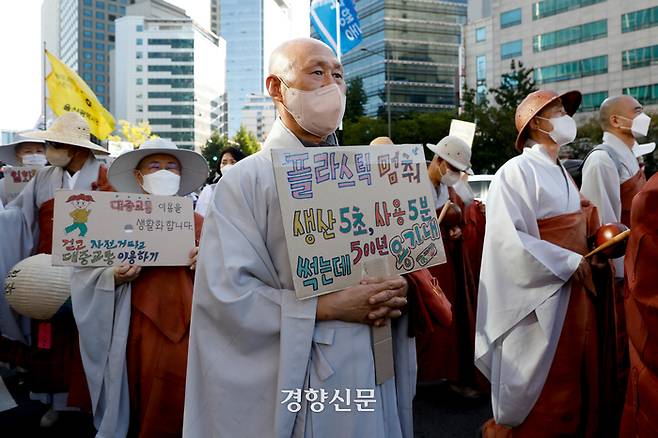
(140, 108)
(547, 8)
(87, 65)
(174, 123)
(510, 18)
(174, 96)
(139, 81)
(87, 2)
(480, 34)
(511, 49)
(100, 88)
(100, 5)
(110, 27)
(637, 58)
(481, 67)
(110, 46)
(173, 56)
(86, 76)
(173, 69)
(100, 36)
(87, 44)
(87, 34)
(177, 136)
(593, 101)
(140, 41)
(86, 55)
(101, 99)
(139, 55)
(174, 83)
(110, 38)
(111, 7)
(100, 46)
(100, 26)
(100, 67)
(86, 23)
(140, 28)
(570, 35)
(139, 68)
(174, 43)
(100, 78)
(122, 10)
(642, 19)
(87, 12)
(100, 15)
(572, 70)
(645, 94)
(177, 110)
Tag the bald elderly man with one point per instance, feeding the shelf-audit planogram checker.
(258, 356)
(611, 178)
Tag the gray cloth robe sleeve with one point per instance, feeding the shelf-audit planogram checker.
(102, 314)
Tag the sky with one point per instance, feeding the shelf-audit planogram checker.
(21, 78)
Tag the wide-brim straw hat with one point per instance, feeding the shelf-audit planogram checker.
(8, 151)
(69, 128)
(36, 288)
(194, 168)
(537, 101)
(455, 151)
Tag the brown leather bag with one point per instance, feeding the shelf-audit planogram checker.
(428, 305)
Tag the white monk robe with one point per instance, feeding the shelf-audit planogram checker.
(601, 183)
(19, 228)
(251, 338)
(524, 282)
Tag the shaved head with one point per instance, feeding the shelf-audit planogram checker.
(623, 105)
(290, 56)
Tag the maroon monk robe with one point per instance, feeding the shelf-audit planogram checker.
(640, 417)
(568, 403)
(447, 352)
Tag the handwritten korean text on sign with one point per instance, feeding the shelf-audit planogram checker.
(108, 229)
(345, 206)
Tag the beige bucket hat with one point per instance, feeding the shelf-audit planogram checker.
(69, 128)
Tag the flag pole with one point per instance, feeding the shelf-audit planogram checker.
(338, 52)
(43, 54)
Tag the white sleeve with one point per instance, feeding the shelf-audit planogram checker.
(601, 186)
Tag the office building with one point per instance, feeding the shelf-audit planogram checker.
(600, 47)
(412, 47)
(172, 74)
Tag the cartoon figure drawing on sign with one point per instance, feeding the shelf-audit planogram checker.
(80, 215)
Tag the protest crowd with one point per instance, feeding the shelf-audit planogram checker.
(238, 313)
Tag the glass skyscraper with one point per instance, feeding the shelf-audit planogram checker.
(420, 39)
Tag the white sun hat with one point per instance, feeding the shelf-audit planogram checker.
(69, 128)
(455, 151)
(8, 151)
(194, 168)
(36, 288)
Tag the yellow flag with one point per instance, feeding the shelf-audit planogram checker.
(68, 92)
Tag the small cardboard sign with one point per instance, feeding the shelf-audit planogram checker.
(463, 130)
(16, 178)
(109, 229)
(344, 207)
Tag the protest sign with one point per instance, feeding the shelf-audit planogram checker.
(345, 207)
(16, 178)
(463, 130)
(108, 229)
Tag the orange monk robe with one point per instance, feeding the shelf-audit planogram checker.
(156, 353)
(641, 302)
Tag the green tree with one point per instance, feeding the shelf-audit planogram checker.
(356, 99)
(496, 132)
(211, 150)
(246, 141)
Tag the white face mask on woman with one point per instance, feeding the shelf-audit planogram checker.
(319, 111)
(162, 183)
(564, 129)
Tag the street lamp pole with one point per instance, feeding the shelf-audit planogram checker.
(387, 80)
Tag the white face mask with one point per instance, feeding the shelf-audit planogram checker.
(34, 160)
(464, 191)
(58, 157)
(640, 125)
(319, 111)
(450, 178)
(162, 183)
(564, 129)
(225, 168)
